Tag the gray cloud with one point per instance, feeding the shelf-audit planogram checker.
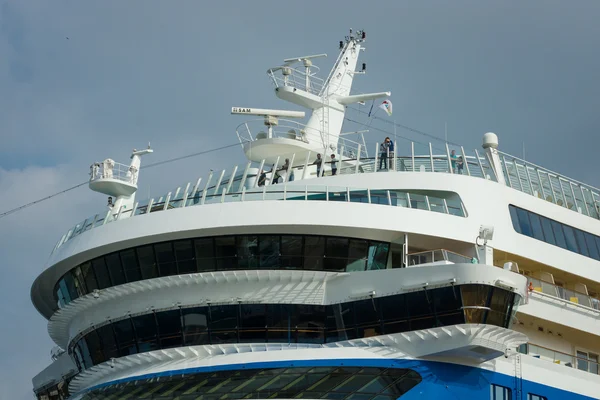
(165, 72)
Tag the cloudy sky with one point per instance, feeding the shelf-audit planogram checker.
(81, 81)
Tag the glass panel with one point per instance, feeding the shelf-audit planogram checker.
(547, 227)
(570, 238)
(367, 318)
(340, 323)
(291, 252)
(79, 281)
(148, 267)
(205, 254)
(225, 250)
(475, 299)
(378, 253)
(145, 330)
(591, 245)
(357, 255)
(185, 255)
(310, 324)
(280, 322)
(130, 265)
(582, 363)
(314, 250)
(253, 323)
(247, 251)
(536, 226)
(499, 307)
(95, 348)
(269, 252)
(125, 337)
(195, 323)
(109, 345)
(524, 223)
(70, 285)
(101, 273)
(559, 235)
(113, 262)
(581, 242)
(87, 272)
(336, 254)
(169, 328)
(515, 218)
(223, 324)
(166, 259)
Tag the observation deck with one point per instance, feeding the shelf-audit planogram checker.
(241, 184)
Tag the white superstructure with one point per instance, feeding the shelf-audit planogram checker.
(404, 274)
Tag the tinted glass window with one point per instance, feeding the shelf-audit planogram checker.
(166, 259)
(71, 288)
(205, 254)
(247, 251)
(115, 269)
(336, 254)
(514, 218)
(147, 260)
(280, 323)
(94, 347)
(581, 243)
(269, 251)
(169, 328)
(130, 265)
(291, 252)
(536, 226)
(185, 255)
(559, 235)
(87, 272)
(125, 337)
(524, 223)
(225, 250)
(357, 255)
(109, 345)
(145, 330)
(548, 233)
(378, 253)
(101, 273)
(195, 326)
(591, 245)
(570, 238)
(314, 249)
(253, 322)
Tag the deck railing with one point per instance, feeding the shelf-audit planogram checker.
(573, 296)
(551, 186)
(588, 363)
(438, 255)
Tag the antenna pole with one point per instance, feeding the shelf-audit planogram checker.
(446, 131)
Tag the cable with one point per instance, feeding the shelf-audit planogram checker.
(14, 210)
(24, 206)
(408, 128)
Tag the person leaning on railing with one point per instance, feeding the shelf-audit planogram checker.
(333, 165)
(319, 163)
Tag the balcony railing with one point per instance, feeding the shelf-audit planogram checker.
(439, 255)
(560, 292)
(588, 363)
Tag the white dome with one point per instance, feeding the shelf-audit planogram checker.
(490, 140)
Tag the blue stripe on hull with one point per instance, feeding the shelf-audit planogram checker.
(440, 380)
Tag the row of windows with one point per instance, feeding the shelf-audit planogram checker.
(285, 323)
(555, 233)
(354, 383)
(498, 392)
(221, 253)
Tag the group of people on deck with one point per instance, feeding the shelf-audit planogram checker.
(386, 152)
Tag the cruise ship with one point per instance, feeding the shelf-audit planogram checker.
(325, 268)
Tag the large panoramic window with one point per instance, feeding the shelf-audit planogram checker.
(355, 383)
(337, 254)
(555, 233)
(294, 323)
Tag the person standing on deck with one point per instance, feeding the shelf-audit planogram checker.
(383, 153)
(319, 163)
(453, 159)
(333, 165)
